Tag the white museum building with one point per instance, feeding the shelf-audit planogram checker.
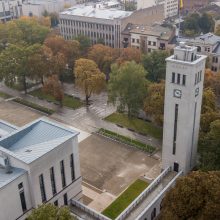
(39, 163)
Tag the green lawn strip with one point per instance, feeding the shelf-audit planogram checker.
(136, 124)
(125, 199)
(127, 140)
(4, 95)
(34, 106)
(68, 100)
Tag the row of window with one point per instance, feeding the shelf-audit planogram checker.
(198, 77)
(214, 68)
(215, 59)
(87, 25)
(52, 178)
(178, 78)
(153, 43)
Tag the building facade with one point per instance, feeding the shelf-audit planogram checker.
(94, 21)
(148, 38)
(207, 44)
(183, 99)
(10, 9)
(39, 163)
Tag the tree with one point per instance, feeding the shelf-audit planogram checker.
(195, 196)
(54, 19)
(52, 212)
(127, 87)
(69, 49)
(14, 63)
(154, 102)
(190, 25)
(128, 54)
(88, 77)
(40, 64)
(103, 56)
(85, 44)
(155, 65)
(130, 6)
(53, 87)
(209, 148)
(206, 23)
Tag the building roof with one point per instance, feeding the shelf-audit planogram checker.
(6, 128)
(163, 33)
(208, 38)
(97, 11)
(35, 139)
(6, 178)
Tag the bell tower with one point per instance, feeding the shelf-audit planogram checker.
(182, 107)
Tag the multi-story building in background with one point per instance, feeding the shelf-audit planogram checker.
(208, 44)
(100, 23)
(39, 163)
(10, 9)
(170, 6)
(149, 38)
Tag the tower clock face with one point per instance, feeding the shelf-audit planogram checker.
(177, 93)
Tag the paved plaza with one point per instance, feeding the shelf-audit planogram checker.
(112, 166)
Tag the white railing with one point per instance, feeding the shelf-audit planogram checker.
(143, 194)
(159, 196)
(88, 210)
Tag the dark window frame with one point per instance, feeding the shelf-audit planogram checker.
(62, 171)
(42, 188)
(53, 182)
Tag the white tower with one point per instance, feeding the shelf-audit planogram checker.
(183, 99)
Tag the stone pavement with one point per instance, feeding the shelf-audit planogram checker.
(86, 118)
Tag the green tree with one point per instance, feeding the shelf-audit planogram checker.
(88, 77)
(14, 63)
(154, 102)
(217, 31)
(195, 196)
(52, 212)
(155, 65)
(209, 148)
(85, 44)
(190, 25)
(130, 6)
(206, 23)
(127, 87)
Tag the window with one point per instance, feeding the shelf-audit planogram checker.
(56, 203)
(148, 50)
(52, 179)
(133, 40)
(154, 43)
(72, 167)
(173, 77)
(22, 197)
(153, 214)
(42, 188)
(65, 199)
(149, 42)
(178, 78)
(138, 41)
(62, 170)
(175, 128)
(184, 80)
(23, 202)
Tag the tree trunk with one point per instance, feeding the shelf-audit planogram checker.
(42, 80)
(87, 100)
(24, 84)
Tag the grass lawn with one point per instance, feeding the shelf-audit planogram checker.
(127, 140)
(125, 199)
(68, 101)
(136, 124)
(4, 95)
(34, 106)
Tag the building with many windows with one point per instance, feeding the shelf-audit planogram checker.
(207, 44)
(39, 163)
(94, 21)
(148, 38)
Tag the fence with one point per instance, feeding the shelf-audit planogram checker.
(88, 210)
(143, 194)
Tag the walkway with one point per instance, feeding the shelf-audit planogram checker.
(89, 118)
(140, 208)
